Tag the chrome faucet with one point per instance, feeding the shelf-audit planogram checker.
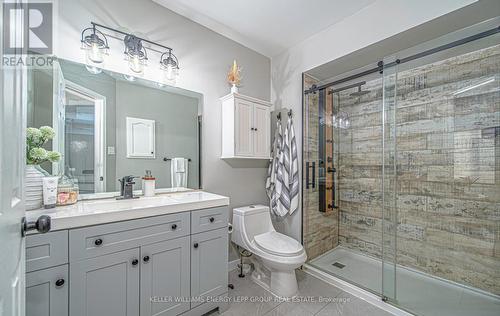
(127, 188)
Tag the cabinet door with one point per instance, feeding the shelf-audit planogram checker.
(209, 264)
(140, 138)
(243, 128)
(106, 285)
(47, 292)
(165, 277)
(261, 134)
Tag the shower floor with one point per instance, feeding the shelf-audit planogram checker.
(416, 292)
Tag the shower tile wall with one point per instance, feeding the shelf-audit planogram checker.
(320, 230)
(448, 162)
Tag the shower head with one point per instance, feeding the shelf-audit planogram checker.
(359, 92)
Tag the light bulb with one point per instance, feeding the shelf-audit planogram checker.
(170, 72)
(135, 64)
(95, 54)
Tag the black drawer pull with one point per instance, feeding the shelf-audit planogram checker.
(60, 282)
(195, 245)
(174, 226)
(145, 259)
(211, 219)
(135, 262)
(98, 242)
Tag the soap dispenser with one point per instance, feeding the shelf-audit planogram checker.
(148, 184)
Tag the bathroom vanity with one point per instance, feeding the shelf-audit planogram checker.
(163, 255)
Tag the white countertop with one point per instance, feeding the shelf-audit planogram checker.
(94, 212)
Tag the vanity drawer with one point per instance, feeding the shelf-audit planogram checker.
(103, 239)
(46, 250)
(208, 219)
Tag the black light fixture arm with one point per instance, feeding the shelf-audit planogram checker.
(97, 25)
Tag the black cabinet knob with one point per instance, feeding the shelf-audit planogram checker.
(145, 259)
(255, 129)
(174, 226)
(98, 242)
(135, 262)
(42, 225)
(211, 219)
(195, 245)
(60, 282)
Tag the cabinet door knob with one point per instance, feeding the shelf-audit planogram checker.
(98, 242)
(211, 219)
(174, 226)
(195, 245)
(145, 259)
(60, 282)
(252, 129)
(255, 129)
(135, 262)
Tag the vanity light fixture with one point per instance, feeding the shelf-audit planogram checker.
(170, 65)
(136, 53)
(95, 44)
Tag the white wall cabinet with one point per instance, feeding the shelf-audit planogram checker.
(246, 127)
(140, 138)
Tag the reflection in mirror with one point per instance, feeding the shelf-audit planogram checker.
(108, 127)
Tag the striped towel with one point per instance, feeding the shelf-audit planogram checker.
(293, 169)
(273, 169)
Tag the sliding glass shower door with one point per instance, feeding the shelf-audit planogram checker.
(401, 176)
(441, 178)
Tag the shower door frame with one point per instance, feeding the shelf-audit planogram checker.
(385, 66)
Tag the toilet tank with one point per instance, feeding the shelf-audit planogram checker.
(249, 221)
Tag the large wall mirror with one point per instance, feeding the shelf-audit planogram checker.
(107, 126)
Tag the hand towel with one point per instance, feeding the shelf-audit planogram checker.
(179, 172)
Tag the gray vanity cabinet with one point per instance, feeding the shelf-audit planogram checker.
(160, 265)
(106, 285)
(165, 276)
(209, 258)
(47, 292)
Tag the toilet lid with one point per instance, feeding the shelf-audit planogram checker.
(278, 244)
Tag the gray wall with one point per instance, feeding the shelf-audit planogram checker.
(176, 128)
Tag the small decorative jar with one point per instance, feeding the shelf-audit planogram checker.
(67, 192)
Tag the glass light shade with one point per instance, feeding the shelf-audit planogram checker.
(136, 64)
(95, 54)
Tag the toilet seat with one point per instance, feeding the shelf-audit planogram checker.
(278, 244)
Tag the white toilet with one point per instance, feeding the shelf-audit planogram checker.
(280, 254)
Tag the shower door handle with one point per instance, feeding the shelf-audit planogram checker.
(311, 165)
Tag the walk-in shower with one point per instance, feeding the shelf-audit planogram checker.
(401, 175)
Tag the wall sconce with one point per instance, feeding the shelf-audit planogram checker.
(95, 44)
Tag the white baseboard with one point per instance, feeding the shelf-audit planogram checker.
(233, 265)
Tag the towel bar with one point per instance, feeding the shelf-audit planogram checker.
(167, 159)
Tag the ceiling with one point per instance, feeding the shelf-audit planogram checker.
(266, 26)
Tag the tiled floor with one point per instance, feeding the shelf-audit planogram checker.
(318, 298)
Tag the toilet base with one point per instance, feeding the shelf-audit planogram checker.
(282, 284)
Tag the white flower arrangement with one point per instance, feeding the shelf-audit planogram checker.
(35, 139)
